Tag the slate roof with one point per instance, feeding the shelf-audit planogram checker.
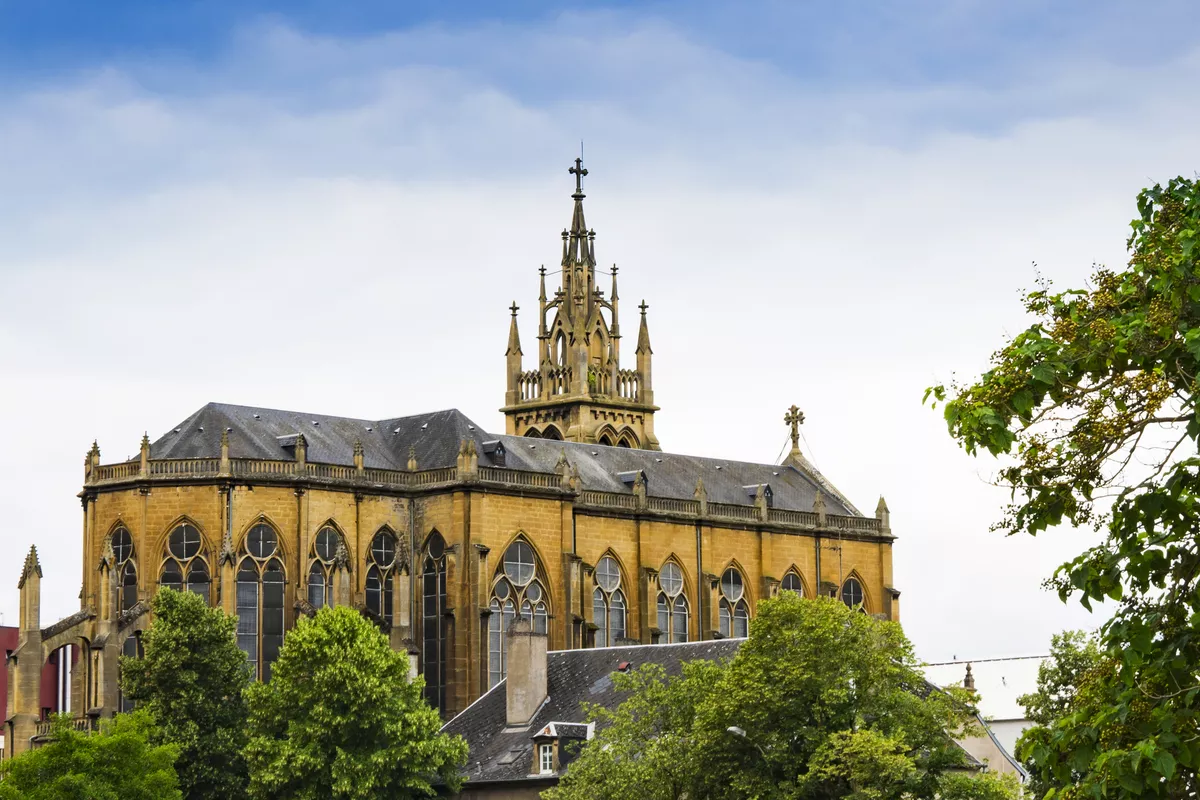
(436, 437)
(499, 753)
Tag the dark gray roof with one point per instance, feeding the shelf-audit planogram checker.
(436, 437)
(498, 753)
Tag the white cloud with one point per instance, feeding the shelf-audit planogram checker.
(339, 226)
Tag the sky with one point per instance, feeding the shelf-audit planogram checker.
(329, 207)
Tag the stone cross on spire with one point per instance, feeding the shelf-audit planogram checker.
(514, 308)
(578, 171)
(795, 418)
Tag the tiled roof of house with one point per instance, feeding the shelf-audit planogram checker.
(500, 753)
(435, 439)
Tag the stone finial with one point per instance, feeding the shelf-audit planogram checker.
(301, 449)
(412, 458)
(146, 442)
(107, 556)
(32, 567)
(701, 495)
(94, 454)
(760, 501)
(639, 489)
(883, 514)
(225, 451)
(969, 680)
(819, 507)
(359, 452)
(341, 559)
(562, 465)
(227, 552)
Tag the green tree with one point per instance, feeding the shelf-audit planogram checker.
(190, 683)
(1065, 677)
(1093, 411)
(117, 763)
(819, 702)
(340, 719)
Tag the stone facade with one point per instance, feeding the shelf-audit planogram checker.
(269, 513)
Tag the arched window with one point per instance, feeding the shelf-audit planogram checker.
(552, 433)
(126, 566)
(791, 583)
(852, 592)
(132, 648)
(606, 440)
(672, 605)
(321, 566)
(608, 603)
(735, 614)
(381, 575)
(184, 567)
(533, 433)
(517, 588)
(433, 629)
(260, 590)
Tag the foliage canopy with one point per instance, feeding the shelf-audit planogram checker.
(340, 719)
(1093, 408)
(117, 763)
(190, 683)
(819, 702)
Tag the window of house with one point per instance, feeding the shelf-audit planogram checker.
(126, 566)
(433, 625)
(734, 612)
(185, 566)
(260, 589)
(517, 590)
(608, 603)
(322, 565)
(381, 574)
(791, 583)
(672, 605)
(546, 758)
(852, 592)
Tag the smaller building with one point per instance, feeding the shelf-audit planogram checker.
(54, 687)
(999, 682)
(521, 733)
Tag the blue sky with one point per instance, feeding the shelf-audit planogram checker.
(831, 204)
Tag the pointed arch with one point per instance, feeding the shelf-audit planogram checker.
(161, 538)
(853, 586)
(552, 432)
(628, 439)
(262, 519)
(319, 575)
(519, 587)
(261, 585)
(433, 617)
(609, 433)
(793, 581)
(734, 602)
(610, 599)
(533, 433)
(673, 607)
(558, 348)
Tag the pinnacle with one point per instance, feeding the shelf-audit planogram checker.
(32, 565)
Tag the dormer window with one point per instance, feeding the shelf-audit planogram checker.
(630, 478)
(546, 759)
(494, 449)
(768, 494)
(288, 441)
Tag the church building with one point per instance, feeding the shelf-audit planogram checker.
(574, 520)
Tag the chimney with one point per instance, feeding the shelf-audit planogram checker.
(526, 681)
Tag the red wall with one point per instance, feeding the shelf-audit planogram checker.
(9, 638)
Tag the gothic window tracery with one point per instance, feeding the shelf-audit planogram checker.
(321, 566)
(126, 566)
(382, 569)
(734, 613)
(518, 589)
(433, 628)
(672, 605)
(185, 567)
(792, 583)
(852, 593)
(260, 589)
(608, 603)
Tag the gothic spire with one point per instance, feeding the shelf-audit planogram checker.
(643, 345)
(32, 565)
(579, 249)
(514, 337)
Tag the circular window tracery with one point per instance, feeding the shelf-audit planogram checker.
(670, 579)
(673, 611)
(608, 603)
(262, 541)
(184, 566)
(519, 563)
(122, 545)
